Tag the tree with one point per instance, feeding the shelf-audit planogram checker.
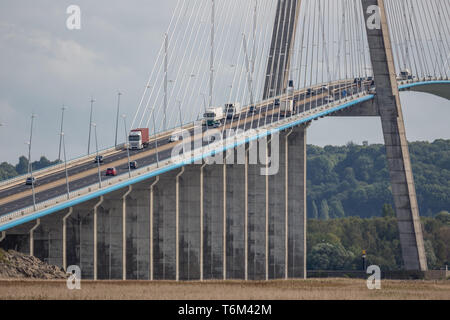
(388, 211)
(337, 210)
(327, 256)
(22, 166)
(315, 211)
(324, 210)
(7, 171)
(443, 217)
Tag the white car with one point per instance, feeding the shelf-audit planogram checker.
(328, 99)
(175, 137)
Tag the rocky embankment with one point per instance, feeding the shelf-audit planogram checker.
(16, 265)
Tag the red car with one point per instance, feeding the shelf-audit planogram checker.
(111, 172)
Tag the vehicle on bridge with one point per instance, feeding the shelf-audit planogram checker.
(287, 107)
(133, 165)
(98, 159)
(175, 136)
(328, 99)
(405, 75)
(310, 92)
(111, 172)
(233, 110)
(214, 116)
(30, 181)
(276, 102)
(139, 139)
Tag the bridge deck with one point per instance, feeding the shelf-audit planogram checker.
(53, 185)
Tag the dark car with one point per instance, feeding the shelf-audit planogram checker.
(98, 159)
(111, 172)
(30, 181)
(133, 165)
(276, 102)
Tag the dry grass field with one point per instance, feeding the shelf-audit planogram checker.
(312, 289)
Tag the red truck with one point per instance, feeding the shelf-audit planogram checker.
(139, 139)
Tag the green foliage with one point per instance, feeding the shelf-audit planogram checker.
(8, 171)
(315, 211)
(388, 211)
(327, 256)
(22, 166)
(338, 243)
(444, 217)
(354, 179)
(324, 210)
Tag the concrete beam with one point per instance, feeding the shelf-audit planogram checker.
(190, 223)
(124, 233)
(389, 106)
(152, 201)
(365, 109)
(283, 38)
(296, 166)
(95, 237)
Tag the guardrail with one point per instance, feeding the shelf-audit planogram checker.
(185, 159)
(70, 163)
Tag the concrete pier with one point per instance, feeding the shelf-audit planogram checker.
(399, 164)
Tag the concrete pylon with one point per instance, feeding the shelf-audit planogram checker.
(283, 38)
(390, 111)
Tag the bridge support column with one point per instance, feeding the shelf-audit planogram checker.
(284, 156)
(124, 233)
(257, 212)
(399, 164)
(202, 220)
(177, 224)
(246, 217)
(277, 211)
(95, 237)
(110, 236)
(164, 232)
(213, 221)
(296, 190)
(189, 227)
(152, 202)
(138, 232)
(234, 220)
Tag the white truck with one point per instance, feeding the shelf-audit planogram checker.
(214, 116)
(287, 107)
(233, 110)
(405, 75)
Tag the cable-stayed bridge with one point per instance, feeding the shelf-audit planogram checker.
(220, 193)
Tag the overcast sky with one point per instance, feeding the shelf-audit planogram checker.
(44, 65)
